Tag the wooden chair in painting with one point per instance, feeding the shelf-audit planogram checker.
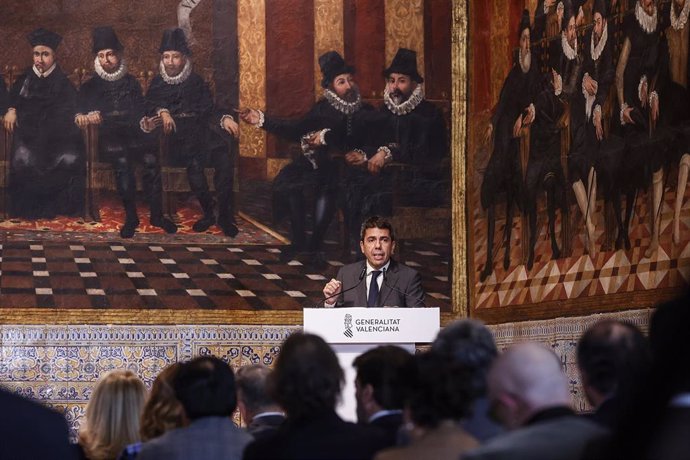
(9, 76)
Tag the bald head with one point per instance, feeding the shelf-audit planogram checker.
(525, 379)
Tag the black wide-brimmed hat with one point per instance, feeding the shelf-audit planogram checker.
(599, 7)
(332, 64)
(568, 13)
(174, 40)
(404, 62)
(43, 37)
(104, 38)
(524, 23)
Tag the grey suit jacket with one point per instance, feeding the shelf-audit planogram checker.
(562, 438)
(207, 438)
(398, 276)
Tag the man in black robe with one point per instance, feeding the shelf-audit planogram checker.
(46, 161)
(113, 100)
(586, 123)
(503, 174)
(337, 123)
(637, 75)
(181, 102)
(3, 96)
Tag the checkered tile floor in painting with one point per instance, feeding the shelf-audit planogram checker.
(131, 275)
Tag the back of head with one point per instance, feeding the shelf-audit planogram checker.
(206, 388)
(252, 387)
(307, 377)
(532, 374)
(386, 369)
(611, 353)
(112, 414)
(468, 343)
(437, 390)
(162, 411)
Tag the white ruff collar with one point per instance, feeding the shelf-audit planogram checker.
(341, 105)
(570, 52)
(596, 50)
(179, 78)
(46, 73)
(525, 61)
(118, 74)
(406, 107)
(647, 22)
(678, 22)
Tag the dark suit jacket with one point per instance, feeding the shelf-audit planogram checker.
(265, 426)
(207, 438)
(390, 425)
(324, 437)
(31, 431)
(399, 276)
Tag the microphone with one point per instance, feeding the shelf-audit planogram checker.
(393, 288)
(360, 278)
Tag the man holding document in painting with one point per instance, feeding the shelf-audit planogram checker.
(378, 281)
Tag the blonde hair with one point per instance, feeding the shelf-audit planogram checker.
(162, 411)
(112, 415)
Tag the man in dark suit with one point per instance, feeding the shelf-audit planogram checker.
(258, 410)
(206, 388)
(529, 394)
(612, 356)
(30, 431)
(388, 283)
(469, 344)
(306, 382)
(382, 373)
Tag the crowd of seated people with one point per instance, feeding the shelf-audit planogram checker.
(461, 399)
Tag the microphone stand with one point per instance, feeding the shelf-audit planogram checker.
(362, 275)
(420, 300)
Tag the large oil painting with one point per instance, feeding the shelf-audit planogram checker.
(157, 166)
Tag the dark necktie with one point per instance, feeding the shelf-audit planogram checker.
(373, 298)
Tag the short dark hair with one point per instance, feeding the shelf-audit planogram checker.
(206, 387)
(438, 390)
(386, 369)
(376, 222)
(307, 378)
(468, 343)
(611, 352)
(251, 386)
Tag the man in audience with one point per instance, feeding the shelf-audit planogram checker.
(529, 395)
(206, 388)
(611, 355)
(380, 388)
(388, 283)
(258, 410)
(30, 431)
(181, 102)
(469, 344)
(306, 382)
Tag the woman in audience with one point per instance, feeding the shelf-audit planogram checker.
(112, 415)
(162, 411)
(439, 395)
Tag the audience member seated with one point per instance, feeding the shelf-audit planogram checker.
(29, 431)
(657, 425)
(205, 386)
(258, 410)
(380, 384)
(469, 343)
(306, 382)
(162, 411)
(611, 356)
(112, 415)
(439, 395)
(529, 395)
